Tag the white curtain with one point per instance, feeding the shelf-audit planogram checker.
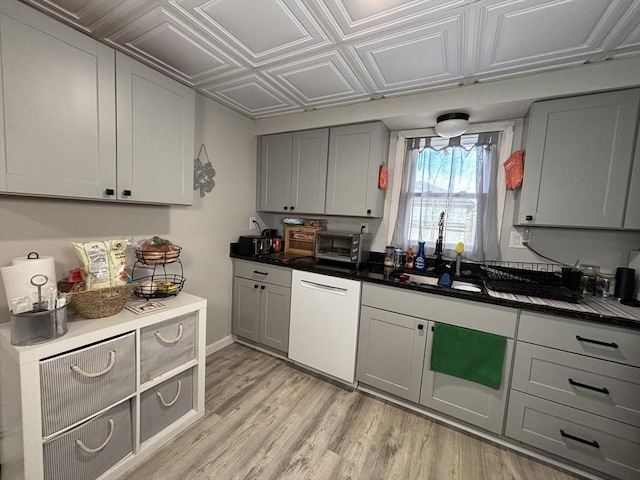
(459, 178)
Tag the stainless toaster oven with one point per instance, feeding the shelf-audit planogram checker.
(345, 247)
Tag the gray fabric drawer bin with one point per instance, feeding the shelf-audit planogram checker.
(105, 440)
(166, 346)
(78, 384)
(163, 404)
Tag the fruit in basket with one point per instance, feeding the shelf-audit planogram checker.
(147, 287)
(168, 287)
(158, 250)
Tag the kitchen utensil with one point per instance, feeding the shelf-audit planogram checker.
(39, 281)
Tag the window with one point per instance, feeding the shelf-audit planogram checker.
(456, 176)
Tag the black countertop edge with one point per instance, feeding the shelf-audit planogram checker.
(310, 264)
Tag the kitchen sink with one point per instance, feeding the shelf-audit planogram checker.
(430, 281)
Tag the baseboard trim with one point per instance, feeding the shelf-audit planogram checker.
(219, 345)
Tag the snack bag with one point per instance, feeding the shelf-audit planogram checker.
(102, 263)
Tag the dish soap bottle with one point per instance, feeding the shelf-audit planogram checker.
(420, 262)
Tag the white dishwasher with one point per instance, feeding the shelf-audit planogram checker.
(323, 332)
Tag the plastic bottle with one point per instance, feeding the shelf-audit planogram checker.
(409, 258)
(420, 262)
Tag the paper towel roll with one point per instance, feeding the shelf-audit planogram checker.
(17, 277)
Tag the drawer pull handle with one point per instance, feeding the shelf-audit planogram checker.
(260, 273)
(589, 387)
(169, 404)
(591, 443)
(112, 426)
(170, 342)
(597, 342)
(112, 362)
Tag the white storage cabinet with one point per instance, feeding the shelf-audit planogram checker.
(576, 392)
(81, 121)
(72, 408)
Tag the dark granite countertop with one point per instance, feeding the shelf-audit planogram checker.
(376, 273)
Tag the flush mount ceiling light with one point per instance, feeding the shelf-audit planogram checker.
(452, 124)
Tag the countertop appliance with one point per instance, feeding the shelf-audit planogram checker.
(344, 247)
(323, 332)
(254, 245)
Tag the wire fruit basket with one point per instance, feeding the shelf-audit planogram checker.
(159, 286)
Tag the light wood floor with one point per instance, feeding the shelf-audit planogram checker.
(268, 420)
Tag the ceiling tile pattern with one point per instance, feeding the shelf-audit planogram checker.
(273, 57)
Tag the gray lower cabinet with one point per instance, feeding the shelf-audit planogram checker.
(261, 304)
(391, 352)
(395, 345)
(576, 392)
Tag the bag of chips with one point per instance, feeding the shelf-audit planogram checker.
(102, 263)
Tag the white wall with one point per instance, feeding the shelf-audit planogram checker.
(204, 230)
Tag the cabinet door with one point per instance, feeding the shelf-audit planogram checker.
(391, 352)
(275, 172)
(355, 154)
(578, 160)
(632, 215)
(309, 170)
(156, 118)
(246, 308)
(275, 303)
(59, 108)
(468, 401)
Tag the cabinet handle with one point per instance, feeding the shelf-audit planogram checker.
(591, 443)
(604, 390)
(262, 287)
(420, 326)
(112, 362)
(597, 342)
(169, 404)
(170, 342)
(528, 218)
(369, 212)
(255, 286)
(286, 208)
(126, 193)
(260, 273)
(112, 428)
(291, 208)
(109, 191)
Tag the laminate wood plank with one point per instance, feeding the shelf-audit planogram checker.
(269, 420)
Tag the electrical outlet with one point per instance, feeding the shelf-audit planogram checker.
(251, 224)
(526, 235)
(515, 241)
(364, 227)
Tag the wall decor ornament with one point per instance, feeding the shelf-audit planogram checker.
(203, 173)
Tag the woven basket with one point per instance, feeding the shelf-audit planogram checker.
(102, 302)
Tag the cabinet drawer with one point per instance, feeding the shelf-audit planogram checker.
(77, 384)
(579, 336)
(597, 386)
(90, 449)
(162, 405)
(167, 345)
(263, 273)
(587, 439)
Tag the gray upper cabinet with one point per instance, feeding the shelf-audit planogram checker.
(578, 162)
(293, 171)
(80, 121)
(57, 124)
(355, 155)
(632, 215)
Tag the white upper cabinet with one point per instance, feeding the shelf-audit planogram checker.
(355, 155)
(293, 171)
(578, 162)
(60, 134)
(632, 215)
(155, 119)
(58, 88)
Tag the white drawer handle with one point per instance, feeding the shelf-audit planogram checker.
(172, 401)
(112, 426)
(112, 362)
(175, 340)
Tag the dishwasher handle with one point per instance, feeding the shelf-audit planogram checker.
(323, 288)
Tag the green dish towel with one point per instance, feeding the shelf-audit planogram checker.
(469, 354)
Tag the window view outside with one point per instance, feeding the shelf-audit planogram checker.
(445, 181)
